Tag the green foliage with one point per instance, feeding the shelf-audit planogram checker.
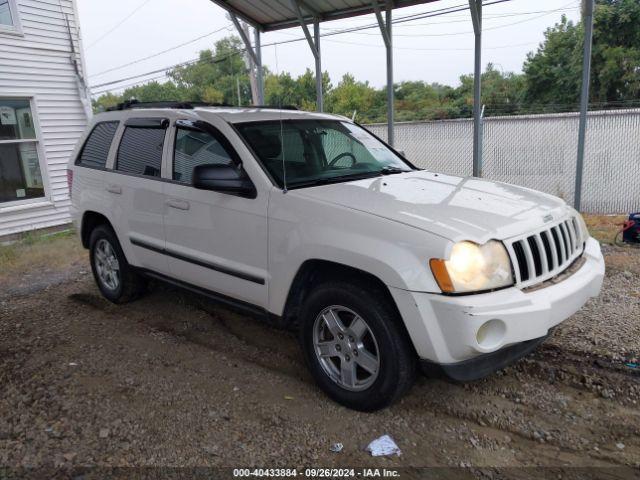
(616, 51)
(351, 96)
(217, 75)
(554, 72)
(502, 93)
(550, 81)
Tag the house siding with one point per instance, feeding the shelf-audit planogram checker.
(37, 65)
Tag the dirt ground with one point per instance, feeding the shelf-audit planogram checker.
(173, 380)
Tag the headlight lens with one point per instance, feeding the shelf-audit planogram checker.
(473, 268)
(583, 227)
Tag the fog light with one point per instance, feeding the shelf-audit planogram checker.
(491, 333)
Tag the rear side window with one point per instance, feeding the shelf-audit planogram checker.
(140, 151)
(195, 148)
(96, 149)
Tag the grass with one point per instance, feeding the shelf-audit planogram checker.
(40, 251)
(604, 227)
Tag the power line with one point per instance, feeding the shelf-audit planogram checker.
(433, 13)
(488, 17)
(133, 62)
(443, 10)
(119, 23)
(133, 84)
(408, 18)
(216, 59)
(419, 49)
(549, 12)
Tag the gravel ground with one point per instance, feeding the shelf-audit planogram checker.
(172, 380)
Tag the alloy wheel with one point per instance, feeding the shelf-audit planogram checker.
(346, 348)
(107, 265)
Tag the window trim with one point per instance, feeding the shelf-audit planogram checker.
(45, 200)
(200, 126)
(16, 28)
(77, 163)
(151, 123)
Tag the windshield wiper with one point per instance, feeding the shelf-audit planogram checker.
(388, 170)
(338, 179)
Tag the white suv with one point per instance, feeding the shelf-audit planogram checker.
(313, 223)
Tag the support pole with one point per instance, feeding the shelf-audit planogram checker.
(587, 21)
(259, 72)
(387, 36)
(314, 44)
(475, 6)
(319, 92)
(255, 55)
(244, 37)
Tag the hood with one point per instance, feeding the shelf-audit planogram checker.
(452, 207)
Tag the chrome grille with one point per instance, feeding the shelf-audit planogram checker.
(543, 255)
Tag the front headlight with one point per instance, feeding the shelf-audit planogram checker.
(583, 227)
(473, 268)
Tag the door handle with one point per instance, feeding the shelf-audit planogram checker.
(117, 189)
(179, 204)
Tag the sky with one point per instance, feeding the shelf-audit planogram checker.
(437, 49)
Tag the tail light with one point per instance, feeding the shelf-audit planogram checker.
(70, 181)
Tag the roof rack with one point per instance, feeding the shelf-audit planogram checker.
(135, 104)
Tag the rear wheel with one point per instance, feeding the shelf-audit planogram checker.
(115, 278)
(355, 346)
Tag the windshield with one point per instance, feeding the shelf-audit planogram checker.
(312, 152)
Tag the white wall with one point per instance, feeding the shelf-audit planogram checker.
(37, 64)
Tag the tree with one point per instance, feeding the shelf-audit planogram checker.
(216, 75)
(351, 96)
(553, 73)
(105, 101)
(616, 51)
(300, 92)
(502, 93)
(422, 101)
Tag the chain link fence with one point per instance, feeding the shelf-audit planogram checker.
(537, 151)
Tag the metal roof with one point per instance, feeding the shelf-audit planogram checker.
(268, 15)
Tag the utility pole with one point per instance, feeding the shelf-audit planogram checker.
(587, 22)
(253, 70)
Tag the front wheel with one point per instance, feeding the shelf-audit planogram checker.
(355, 346)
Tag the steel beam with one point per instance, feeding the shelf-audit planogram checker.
(254, 52)
(319, 92)
(387, 36)
(259, 71)
(314, 44)
(475, 6)
(587, 21)
(243, 36)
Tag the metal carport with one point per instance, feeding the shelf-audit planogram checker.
(271, 15)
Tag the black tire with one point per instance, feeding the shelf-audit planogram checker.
(397, 358)
(130, 285)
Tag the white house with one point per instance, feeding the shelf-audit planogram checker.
(44, 108)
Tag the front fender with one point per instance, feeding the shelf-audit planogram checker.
(302, 229)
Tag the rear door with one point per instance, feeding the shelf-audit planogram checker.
(215, 241)
(90, 165)
(136, 187)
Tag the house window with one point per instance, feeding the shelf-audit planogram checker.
(20, 175)
(9, 21)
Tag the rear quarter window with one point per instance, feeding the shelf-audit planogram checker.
(96, 148)
(140, 151)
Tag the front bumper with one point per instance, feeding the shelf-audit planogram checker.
(448, 330)
(482, 365)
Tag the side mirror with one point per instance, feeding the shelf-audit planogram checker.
(223, 178)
